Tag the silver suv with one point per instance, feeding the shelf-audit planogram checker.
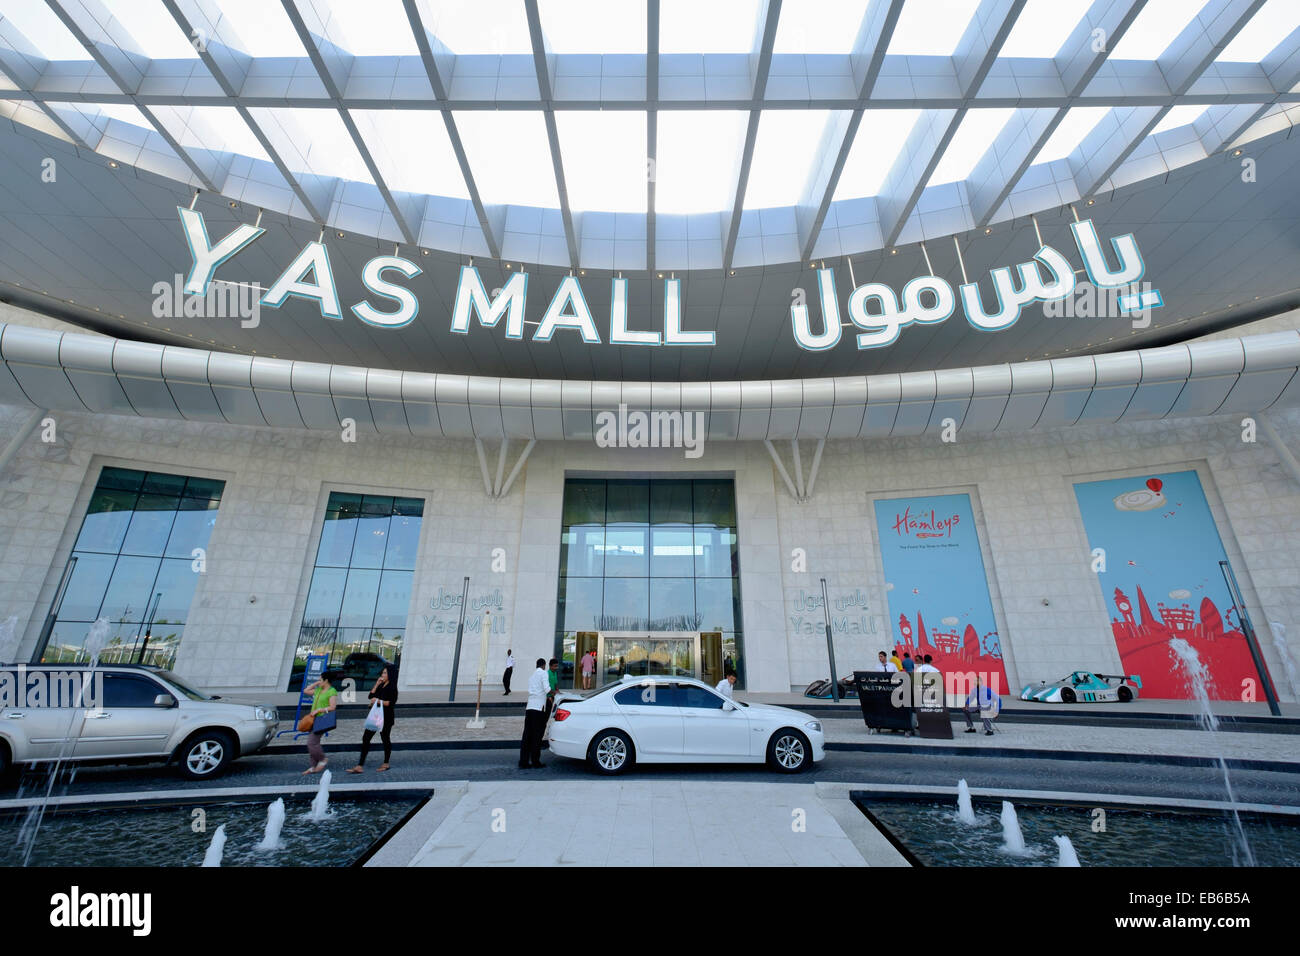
(120, 713)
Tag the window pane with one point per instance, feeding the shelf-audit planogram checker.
(85, 591)
(628, 502)
(394, 598)
(403, 541)
(626, 549)
(204, 488)
(670, 502)
(162, 646)
(584, 502)
(672, 551)
(126, 479)
(579, 604)
(372, 538)
(672, 605)
(688, 695)
(106, 521)
(627, 604)
(192, 527)
(715, 502)
(151, 525)
(718, 601)
(130, 589)
(582, 551)
(176, 582)
(158, 484)
(336, 537)
(715, 552)
(324, 598)
(351, 640)
(359, 596)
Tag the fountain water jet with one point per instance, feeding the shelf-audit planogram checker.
(218, 846)
(274, 823)
(965, 812)
(1013, 841)
(320, 803)
(1199, 679)
(1066, 856)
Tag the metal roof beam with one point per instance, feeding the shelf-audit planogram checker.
(760, 63)
(652, 126)
(544, 63)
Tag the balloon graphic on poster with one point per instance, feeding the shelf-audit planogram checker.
(1155, 484)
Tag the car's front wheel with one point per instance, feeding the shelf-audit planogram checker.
(788, 751)
(610, 752)
(1067, 696)
(205, 755)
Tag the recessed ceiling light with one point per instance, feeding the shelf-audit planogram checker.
(661, 275)
(233, 204)
(112, 163)
(424, 252)
(507, 265)
(893, 252)
(582, 272)
(1236, 152)
(339, 234)
(1092, 202)
(733, 272)
(987, 231)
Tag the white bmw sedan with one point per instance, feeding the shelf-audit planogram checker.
(680, 720)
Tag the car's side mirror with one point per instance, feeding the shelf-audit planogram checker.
(164, 700)
(728, 705)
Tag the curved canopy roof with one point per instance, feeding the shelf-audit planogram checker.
(653, 134)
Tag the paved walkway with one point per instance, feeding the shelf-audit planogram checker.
(638, 823)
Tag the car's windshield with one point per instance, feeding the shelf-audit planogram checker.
(183, 686)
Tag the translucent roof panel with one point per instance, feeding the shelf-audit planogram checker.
(1179, 116)
(1155, 28)
(788, 141)
(156, 33)
(312, 141)
(1270, 25)
(1078, 123)
(818, 26)
(371, 27)
(699, 151)
(931, 27)
(868, 163)
(974, 136)
(484, 26)
(412, 151)
(263, 28)
(217, 128)
(43, 30)
(1043, 27)
(122, 112)
(719, 26)
(594, 26)
(604, 156)
(510, 155)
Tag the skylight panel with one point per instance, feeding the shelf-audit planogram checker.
(719, 26)
(157, 35)
(1179, 116)
(788, 141)
(594, 26)
(874, 150)
(696, 166)
(312, 141)
(931, 27)
(122, 112)
(482, 27)
(1155, 28)
(978, 130)
(1078, 123)
(1272, 24)
(372, 27)
(43, 29)
(1043, 27)
(412, 151)
(510, 156)
(818, 26)
(605, 165)
(216, 128)
(263, 28)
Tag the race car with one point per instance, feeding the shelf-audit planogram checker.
(1084, 686)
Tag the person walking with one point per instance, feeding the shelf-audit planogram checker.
(588, 669)
(909, 665)
(385, 692)
(324, 698)
(510, 669)
(725, 685)
(530, 747)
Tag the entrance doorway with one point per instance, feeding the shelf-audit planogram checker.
(648, 654)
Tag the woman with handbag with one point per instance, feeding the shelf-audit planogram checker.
(383, 709)
(325, 697)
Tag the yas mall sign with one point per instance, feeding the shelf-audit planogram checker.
(873, 307)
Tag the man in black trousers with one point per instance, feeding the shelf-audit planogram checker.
(510, 670)
(530, 748)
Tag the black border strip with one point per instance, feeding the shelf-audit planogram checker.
(378, 845)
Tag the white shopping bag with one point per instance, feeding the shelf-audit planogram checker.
(375, 719)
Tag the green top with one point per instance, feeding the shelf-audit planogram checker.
(554, 678)
(320, 700)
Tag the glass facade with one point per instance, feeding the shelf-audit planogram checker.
(361, 585)
(136, 566)
(649, 555)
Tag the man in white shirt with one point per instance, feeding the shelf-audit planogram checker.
(926, 667)
(885, 664)
(725, 685)
(530, 748)
(510, 669)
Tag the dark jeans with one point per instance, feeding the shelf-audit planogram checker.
(384, 735)
(505, 678)
(530, 748)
